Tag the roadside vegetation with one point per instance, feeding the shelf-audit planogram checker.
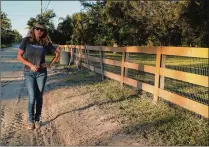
(158, 125)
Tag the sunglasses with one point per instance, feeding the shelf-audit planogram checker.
(37, 28)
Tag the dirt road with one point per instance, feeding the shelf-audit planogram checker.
(14, 106)
(69, 115)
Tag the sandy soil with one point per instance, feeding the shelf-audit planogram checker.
(69, 118)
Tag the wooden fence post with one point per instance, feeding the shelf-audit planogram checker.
(76, 57)
(162, 78)
(157, 74)
(101, 62)
(89, 62)
(87, 58)
(122, 67)
(80, 57)
(126, 59)
(71, 55)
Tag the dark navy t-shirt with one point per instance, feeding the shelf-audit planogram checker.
(35, 53)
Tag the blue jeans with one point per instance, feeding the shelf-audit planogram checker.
(35, 83)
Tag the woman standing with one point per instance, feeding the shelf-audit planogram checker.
(31, 53)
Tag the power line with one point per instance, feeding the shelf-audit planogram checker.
(47, 5)
(41, 8)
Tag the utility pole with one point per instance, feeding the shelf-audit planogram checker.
(41, 8)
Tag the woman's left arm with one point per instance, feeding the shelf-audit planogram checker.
(56, 57)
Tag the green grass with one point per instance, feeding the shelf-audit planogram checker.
(49, 58)
(186, 64)
(158, 125)
(81, 76)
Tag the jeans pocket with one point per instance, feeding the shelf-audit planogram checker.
(27, 73)
(26, 70)
(42, 75)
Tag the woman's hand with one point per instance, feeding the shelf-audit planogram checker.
(43, 65)
(25, 62)
(34, 68)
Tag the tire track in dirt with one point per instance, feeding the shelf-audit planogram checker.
(2, 115)
(49, 127)
(11, 126)
(39, 137)
(46, 135)
(14, 132)
(20, 136)
(33, 139)
(14, 123)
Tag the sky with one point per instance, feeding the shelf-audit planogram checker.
(19, 12)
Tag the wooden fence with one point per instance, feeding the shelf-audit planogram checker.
(159, 70)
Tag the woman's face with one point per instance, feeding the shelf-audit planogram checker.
(38, 32)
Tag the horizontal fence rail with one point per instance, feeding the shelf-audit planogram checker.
(159, 71)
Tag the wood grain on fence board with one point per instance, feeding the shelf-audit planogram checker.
(122, 68)
(185, 51)
(142, 49)
(157, 74)
(139, 85)
(141, 67)
(184, 76)
(101, 63)
(184, 102)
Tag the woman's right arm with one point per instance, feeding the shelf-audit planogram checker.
(25, 62)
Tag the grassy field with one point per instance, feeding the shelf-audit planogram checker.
(49, 58)
(158, 125)
(187, 64)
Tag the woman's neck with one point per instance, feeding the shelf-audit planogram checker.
(37, 39)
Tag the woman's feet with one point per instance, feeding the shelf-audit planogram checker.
(32, 125)
(37, 124)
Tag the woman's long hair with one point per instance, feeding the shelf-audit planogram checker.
(44, 40)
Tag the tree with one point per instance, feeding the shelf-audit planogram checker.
(8, 36)
(47, 18)
(196, 23)
(166, 23)
(17, 36)
(65, 28)
(5, 22)
(79, 28)
(97, 30)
